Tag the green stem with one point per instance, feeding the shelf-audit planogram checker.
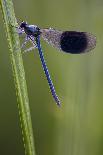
(19, 75)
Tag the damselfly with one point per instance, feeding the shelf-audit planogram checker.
(67, 41)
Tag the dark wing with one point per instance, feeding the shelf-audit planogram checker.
(69, 41)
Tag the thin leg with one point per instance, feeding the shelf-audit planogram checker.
(28, 38)
(33, 41)
(25, 42)
(20, 31)
(29, 49)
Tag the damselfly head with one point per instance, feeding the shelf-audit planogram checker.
(23, 24)
(30, 30)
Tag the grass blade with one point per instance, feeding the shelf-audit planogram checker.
(19, 75)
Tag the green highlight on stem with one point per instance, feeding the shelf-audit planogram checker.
(19, 75)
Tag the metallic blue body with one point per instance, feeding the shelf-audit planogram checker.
(46, 71)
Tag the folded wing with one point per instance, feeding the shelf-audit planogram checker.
(69, 41)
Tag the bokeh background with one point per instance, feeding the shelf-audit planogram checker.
(77, 127)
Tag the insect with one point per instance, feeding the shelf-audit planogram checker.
(66, 41)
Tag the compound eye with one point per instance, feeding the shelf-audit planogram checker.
(23, 24)
(38, 28)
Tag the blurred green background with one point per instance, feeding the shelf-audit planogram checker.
(77, 127)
